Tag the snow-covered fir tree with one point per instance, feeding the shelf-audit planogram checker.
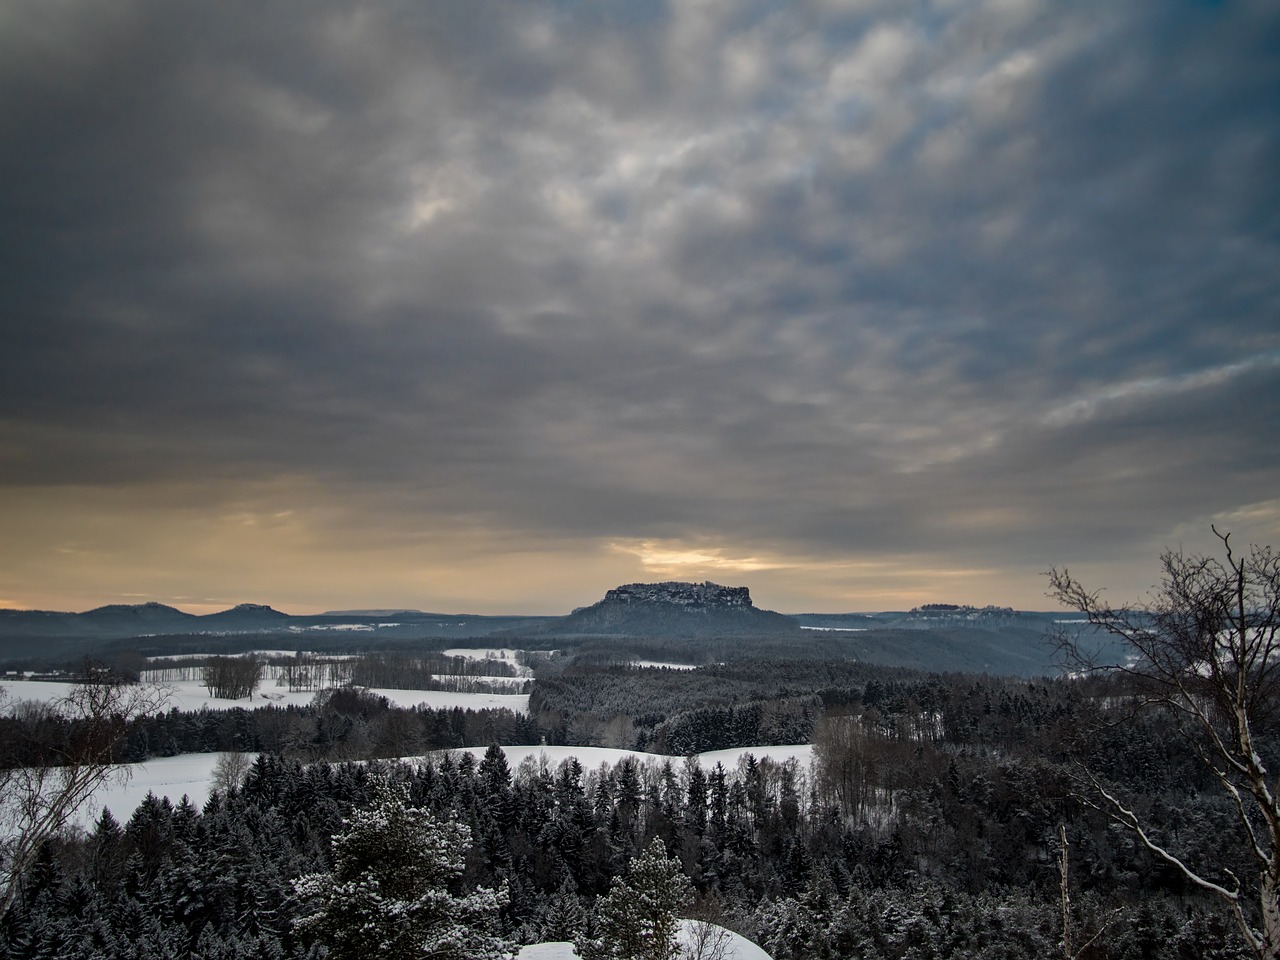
(638, 919)
(389, 895)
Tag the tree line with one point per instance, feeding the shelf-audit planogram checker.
(963, 863)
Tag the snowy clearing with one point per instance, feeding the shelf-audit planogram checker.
(191, 695)
(737, 947)
(802, 753)
(189, 775)
(442, 699)
(505, 654)
(482, 653)
(661, 664)
(263, 654)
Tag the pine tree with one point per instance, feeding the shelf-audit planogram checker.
(388, 895)
(637, 920)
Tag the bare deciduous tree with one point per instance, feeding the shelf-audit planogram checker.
(1204, 649)
(706, 941)
(57, 755)
(230, 770)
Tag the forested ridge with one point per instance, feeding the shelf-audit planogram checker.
(928, 826)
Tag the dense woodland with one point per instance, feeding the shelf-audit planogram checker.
(930, 825)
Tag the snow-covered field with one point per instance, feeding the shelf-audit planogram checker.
(659, 664)
(737, 947)
(505, 654)
(191, 774)
(438, 699)
(264, 654)
(189, 695)
(802, 753)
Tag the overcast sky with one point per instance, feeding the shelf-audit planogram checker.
(489, 307)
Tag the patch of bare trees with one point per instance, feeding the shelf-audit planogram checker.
(232, 678)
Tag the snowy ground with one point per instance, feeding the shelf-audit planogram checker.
(802, 753)
(436, 699)
(505, 654)
(736, 947)
(191, 774)
(264, 654)
(189, 695)
(592, 757)
(664, 664)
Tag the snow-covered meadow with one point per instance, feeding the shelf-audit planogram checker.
(191, 695)
(188, 775)
(191, 774)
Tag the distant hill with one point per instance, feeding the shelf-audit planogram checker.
(692, 623)
(47, 634)
(381, 612)
(669, 610)
(250, 616)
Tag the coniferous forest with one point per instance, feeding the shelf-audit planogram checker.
(943, 816)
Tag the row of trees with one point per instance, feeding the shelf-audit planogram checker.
(755, 853)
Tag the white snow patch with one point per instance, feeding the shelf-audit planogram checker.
(481, 653)
(262, 654)
(442, 699)
(188, 774)
(507, 655)
(40, 691)
(802, 753)
(341, 627)
(192, 695)
(662, 663)
(191, 774)
(559, 950)
(737, 947)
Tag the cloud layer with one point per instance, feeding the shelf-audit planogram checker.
(858, 303)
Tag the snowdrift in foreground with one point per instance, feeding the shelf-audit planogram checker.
(736, 947)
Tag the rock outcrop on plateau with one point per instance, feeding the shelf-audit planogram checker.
(673, 609)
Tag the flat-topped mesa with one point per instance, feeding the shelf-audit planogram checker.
(689, 596)
(673, 609)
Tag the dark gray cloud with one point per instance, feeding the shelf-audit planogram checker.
(976, 286)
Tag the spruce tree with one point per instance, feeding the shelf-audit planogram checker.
(637, 920)
(389, 893)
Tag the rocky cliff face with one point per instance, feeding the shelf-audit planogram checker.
(692, 597)
(673, 609)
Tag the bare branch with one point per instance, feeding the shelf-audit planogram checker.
(65, 752)
(1205, 650)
